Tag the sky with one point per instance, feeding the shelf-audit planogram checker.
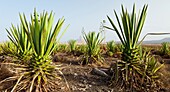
(87, 14)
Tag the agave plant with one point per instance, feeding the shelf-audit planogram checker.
(93, 42)
(72, 44)
(165, 48)
(8, 48)
(111, 47)
(151, 66)
(19, 38)
(131, 69)
(82, 48)
(62, 47)
(129, 31)
(38, 75)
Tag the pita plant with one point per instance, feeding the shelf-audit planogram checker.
(9, 49)
(93, 42)
(62, 47)
(129, 30)
(72, 45)
(80, 50)
(132, 71)
(150, 77)
(39, 74)
(165, 48)
(83, 48)
(111, 47)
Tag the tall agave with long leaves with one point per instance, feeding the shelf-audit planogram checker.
(38, 75)
(129, 30)
(93, 42)
(41, 35)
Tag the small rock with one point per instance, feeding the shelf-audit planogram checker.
(85, 82)
(73, 88)
(75, 74)
(93, 83)
(62, 88)
(99, 72)
(82, 89)
(81, 85)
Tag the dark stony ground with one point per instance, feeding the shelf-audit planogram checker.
(82, 78)
(79, 78)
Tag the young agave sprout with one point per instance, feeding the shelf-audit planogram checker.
(62, 47)
(93, 42)
(165, 48)
(111, 47)
(10, 49)
(39, 74)
(81, 49)
(72, 44)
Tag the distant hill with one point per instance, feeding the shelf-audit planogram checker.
(157, 41)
